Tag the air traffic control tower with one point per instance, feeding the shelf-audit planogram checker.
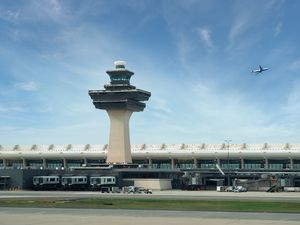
(120, 99)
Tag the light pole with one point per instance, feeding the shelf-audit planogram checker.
(228, 142)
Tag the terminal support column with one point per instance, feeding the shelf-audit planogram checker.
(291, 163)
(65, 163)
(266, 163)
(242, 163)
(24, 162)
(218, 162)
(119, 141)
(44, 163)
(173, 163)
(150, 162)
(195, 163)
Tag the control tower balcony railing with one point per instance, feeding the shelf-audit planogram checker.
(107, 95)
(123, 104)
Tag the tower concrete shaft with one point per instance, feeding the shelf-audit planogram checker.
(120, 100)
(119, 141)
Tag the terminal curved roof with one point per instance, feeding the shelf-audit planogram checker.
(203, 150)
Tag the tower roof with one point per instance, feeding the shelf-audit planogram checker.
(119, 94)
(119, 75)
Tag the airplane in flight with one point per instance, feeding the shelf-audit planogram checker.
(260, 70)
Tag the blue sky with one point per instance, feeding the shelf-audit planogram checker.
(194, 56)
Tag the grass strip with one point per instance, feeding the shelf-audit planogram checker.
(159, 204)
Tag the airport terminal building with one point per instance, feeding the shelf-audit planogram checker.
(183, 165)
(172, 161)
(281, 157)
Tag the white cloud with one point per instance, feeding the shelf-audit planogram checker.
(237, 29)
(295, 65)
(55, 6)
(7, 109)
(8, 15)
(27, 86)
(205, 36)
(249, 17)
(55, 135)
(278, 29)
(161, 105)
(184, 49)
(159, 108)
(274, 4)
(227, 113)
(292, 107)
(44, 109)
(44, 10)
(36, 10)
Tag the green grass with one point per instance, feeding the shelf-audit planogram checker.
(162, 204)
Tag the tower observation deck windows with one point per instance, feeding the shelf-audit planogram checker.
(120, 79)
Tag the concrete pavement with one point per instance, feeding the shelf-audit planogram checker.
(172, 194)
(49, 216)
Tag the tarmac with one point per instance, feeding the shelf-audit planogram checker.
(170, 194)
(50, 216)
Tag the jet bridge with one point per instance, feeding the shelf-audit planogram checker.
(219, 168)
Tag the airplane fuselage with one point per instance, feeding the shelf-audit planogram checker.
(260, 70)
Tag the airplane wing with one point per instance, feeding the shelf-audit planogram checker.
(260, 70)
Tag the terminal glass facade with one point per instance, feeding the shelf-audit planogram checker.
(254, 164)
(161, 164)
(140, 161)
(55, 164)
(230, 164)
(34, 164)
(95, 161)
(296, 164)
(1, 163)
(74, 163)
(184, 164)
(279, 164)
(206, 164)
(16, 164)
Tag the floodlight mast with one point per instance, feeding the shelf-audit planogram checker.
(120, 99)
(228, 175)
